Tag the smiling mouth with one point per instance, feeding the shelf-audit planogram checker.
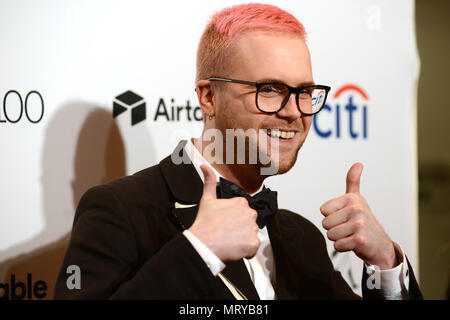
(280, 134)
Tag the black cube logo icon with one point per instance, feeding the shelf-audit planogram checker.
(133, 101)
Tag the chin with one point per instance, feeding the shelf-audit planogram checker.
(286, 165)
(281, 160)
(287, 161)
(280, 166)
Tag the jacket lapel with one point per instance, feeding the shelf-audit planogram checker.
(296, 278)
(235, 271)
(185, 216)
(283, 286)
(186, 188)
(181, 177)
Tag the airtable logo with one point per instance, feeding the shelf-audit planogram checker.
(129, 99)
(164, 111)
(347, 106)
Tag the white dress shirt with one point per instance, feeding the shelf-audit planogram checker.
(262, 267)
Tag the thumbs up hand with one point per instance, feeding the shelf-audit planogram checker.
(352, 225)
(226, 226)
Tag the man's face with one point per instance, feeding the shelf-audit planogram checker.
(261, 56)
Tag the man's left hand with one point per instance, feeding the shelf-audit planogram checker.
(352, 225)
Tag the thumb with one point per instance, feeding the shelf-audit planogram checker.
(353, 178)
(209, 187)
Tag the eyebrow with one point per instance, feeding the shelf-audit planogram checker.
(302, 84)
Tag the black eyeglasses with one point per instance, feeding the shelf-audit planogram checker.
(271, 97)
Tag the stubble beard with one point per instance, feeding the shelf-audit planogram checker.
(262, 147)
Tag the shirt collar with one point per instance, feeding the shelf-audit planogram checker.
(197, 160)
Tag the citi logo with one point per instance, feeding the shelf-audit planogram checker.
(133, 101)
(345, 115)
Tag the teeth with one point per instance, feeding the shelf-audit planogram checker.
(275, 133)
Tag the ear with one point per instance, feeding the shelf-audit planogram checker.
(206, 97)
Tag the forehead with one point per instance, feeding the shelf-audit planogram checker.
(260, 55)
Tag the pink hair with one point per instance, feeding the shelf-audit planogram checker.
(226, 24)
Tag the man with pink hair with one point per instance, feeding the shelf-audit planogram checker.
(198, 227)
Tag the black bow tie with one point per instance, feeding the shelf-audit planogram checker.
(264, 202)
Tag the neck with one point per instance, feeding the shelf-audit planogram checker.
(246, 176)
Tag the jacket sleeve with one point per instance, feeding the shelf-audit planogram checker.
(413, 293)
(105, 247)
(339, 287)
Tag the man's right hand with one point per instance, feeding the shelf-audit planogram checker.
(226, 226)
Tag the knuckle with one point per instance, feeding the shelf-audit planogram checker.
(359, 224)
(330, 235)
(324, 209)
(353, 180)
(252, 247)
(356, 211)
(256, 243)
(360, 240)
(352, 197)
(337, 246)
(325, 223)
(251, 254)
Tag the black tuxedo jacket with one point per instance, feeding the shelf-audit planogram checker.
(127, 241)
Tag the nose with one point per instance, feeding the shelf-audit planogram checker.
(290, 111)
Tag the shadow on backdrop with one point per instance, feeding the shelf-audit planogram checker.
(83, 147)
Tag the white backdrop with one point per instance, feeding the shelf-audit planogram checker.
(79, 55)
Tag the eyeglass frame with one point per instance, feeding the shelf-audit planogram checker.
(297, 91)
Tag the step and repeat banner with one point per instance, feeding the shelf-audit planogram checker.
(95, 90)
